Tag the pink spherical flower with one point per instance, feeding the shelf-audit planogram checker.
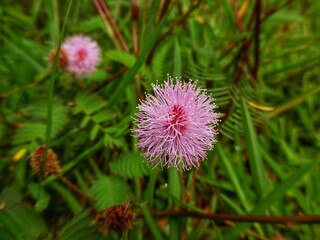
(83, 55)
(177, 126)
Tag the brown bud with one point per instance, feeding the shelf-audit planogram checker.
(52, 162)
(135, 12)
(63, 58)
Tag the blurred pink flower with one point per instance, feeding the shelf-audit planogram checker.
(83, 55)
(177, 126)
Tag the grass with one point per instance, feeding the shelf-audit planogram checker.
(259, 60)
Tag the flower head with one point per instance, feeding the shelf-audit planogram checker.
(177, 126)
(83, 54)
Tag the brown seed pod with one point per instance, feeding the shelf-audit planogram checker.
(117, 218)
(52, 162)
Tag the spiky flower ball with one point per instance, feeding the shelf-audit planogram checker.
(83, 55)
(176, 126)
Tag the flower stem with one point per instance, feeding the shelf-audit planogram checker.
(222, 217)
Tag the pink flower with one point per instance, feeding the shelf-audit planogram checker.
(177, 126)
(83, 55)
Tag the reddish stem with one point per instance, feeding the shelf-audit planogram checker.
(135, 18)
(103, 17)
(114, 25)
(164, 10)
(221, 217)
(257, 39)
(173, 27)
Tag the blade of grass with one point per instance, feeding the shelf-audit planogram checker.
(272, 197)
(53, 23)
(228, 165)
(255, 160)
(149, 192)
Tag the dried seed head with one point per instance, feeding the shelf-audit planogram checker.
(117, 218)
(52, 162)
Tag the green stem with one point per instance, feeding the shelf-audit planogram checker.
(151, 224)
(51, 89)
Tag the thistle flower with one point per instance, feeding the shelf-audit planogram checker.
(83, 55)
(177, 126)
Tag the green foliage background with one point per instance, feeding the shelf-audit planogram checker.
(261, 66)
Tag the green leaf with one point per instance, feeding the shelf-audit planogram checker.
(30, 132)
(88, 103)
(128, 60)
(80, 227)
(102, 116)
(36, 129)
(94, 132)
(232, 97)
(130, 165)
(95, 117)
(22, 222)
(85, 122)
(109, 191)
(24, 54)
(120, 56)
(159, 63)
